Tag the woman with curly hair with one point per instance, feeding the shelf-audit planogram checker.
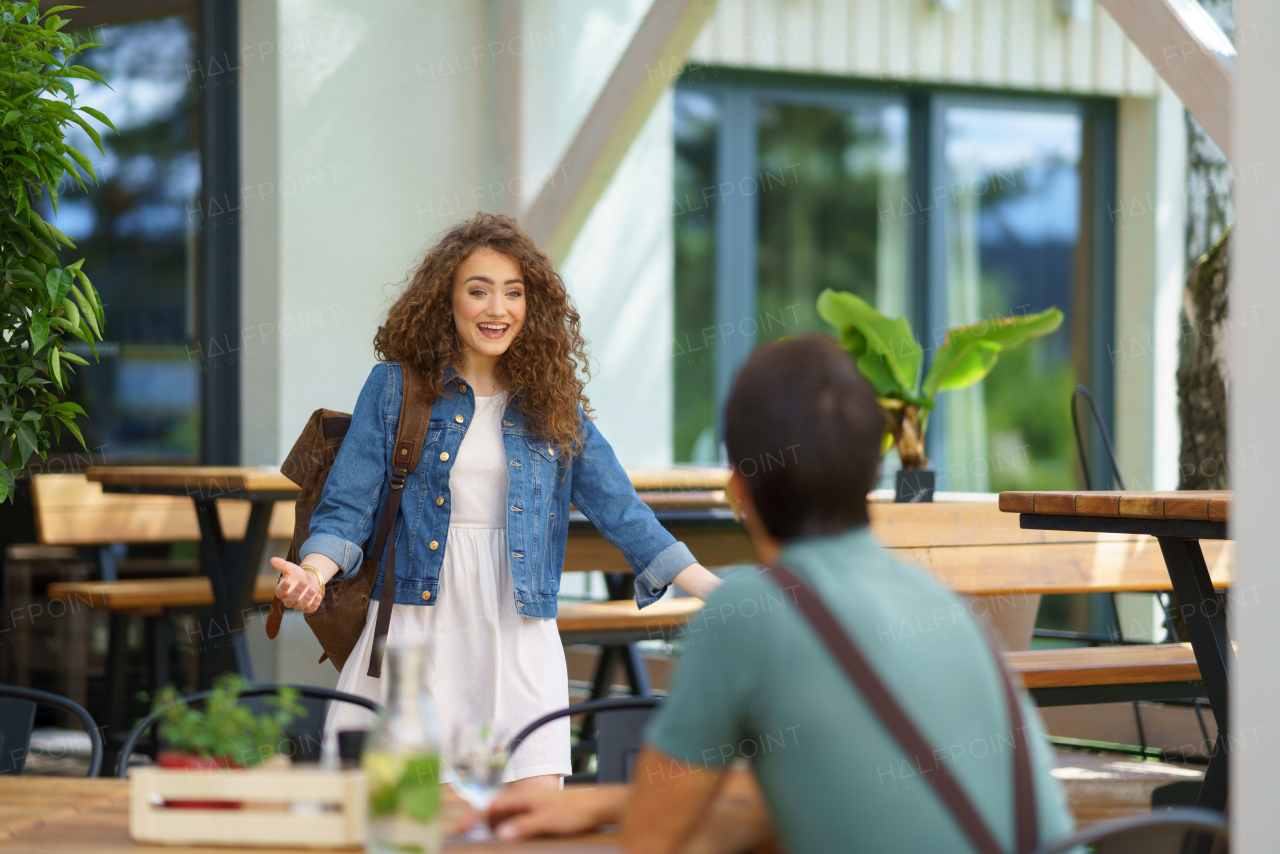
(480, 538)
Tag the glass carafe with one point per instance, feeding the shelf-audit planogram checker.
(402, 759)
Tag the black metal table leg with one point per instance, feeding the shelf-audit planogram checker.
(159, 640)
(247, 558)
(637, 670)
(1206, 623)
(217, 565)
(117, 681)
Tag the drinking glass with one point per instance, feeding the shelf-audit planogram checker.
(479, 755)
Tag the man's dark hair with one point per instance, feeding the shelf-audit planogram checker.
(803, 427)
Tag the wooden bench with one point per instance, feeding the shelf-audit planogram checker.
(974, 549)
(149, 597)
(1108, 674)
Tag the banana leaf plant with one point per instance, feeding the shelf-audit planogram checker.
(889, 356)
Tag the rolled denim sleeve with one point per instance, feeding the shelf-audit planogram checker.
(354, 489)
(604, 494)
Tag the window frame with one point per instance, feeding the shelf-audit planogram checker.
(739, 93)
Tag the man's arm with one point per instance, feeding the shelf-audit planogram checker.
(669, 798)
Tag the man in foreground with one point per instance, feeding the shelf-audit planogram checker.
(802, 432)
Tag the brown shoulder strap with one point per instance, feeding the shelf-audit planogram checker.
(415, 415)
(909, 738)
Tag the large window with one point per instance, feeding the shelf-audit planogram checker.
(944, 207)
(135, 233)
(802, 195)
(1012, 226)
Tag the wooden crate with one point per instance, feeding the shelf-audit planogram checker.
(270, 815)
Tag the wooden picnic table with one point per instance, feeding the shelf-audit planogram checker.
(1178, 521)
(231, 567)
(43, 814)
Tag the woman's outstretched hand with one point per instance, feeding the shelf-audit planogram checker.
(297, 588)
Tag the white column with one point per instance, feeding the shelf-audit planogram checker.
(1254, 414)
(1150, 217)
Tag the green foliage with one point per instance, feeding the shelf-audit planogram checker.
(42, 301)
(885, 351)
(888, 355)
(969, 352)
(223, 727)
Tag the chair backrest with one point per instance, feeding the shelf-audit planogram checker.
(620, 722)
(17, 720)
(1167, 831)
(308, 732)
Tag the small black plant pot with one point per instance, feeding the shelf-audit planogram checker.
(913, 486)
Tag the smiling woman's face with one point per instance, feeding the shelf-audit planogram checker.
(488, 303)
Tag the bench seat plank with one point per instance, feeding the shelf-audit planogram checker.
(1104, 665)
(150, 594)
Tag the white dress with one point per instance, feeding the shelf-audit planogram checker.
(489, 663)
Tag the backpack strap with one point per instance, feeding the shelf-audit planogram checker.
(894, 718)
(415, 415)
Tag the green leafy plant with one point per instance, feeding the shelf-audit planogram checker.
(889, 356)
(223, 728)
(43, 300)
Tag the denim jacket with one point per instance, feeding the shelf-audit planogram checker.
(539, 493)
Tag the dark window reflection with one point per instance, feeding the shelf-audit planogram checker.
(827, 176)
(697, 118)
(134, 232)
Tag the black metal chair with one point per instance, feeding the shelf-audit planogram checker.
(308, 736)
(18, 718)
(1168, 831)
(616, 740)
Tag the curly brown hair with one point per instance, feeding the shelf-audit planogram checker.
(544, 370)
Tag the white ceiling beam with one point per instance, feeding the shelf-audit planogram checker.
(651, 63)
(1190, 53)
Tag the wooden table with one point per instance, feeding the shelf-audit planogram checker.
(55, 814)
(1178, 520)
(231, 568)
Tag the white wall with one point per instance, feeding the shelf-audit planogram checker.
(370, 129)
(1255, 411)
(1019, 44)
(620, 269)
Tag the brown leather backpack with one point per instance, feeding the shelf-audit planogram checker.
(339, 620)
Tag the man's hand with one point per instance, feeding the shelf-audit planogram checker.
(527, 812)
(297, 588)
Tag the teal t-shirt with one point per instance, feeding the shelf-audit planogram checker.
(755, 681)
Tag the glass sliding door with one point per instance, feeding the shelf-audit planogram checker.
(827, 175)
(1012, 238)
(764, 223)
(135, 232)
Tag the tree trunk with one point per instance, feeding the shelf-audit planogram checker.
(1202, 381)
(1202, 385)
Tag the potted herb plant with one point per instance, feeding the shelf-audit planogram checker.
(222, 734)
(889, 356)
(43, 301)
